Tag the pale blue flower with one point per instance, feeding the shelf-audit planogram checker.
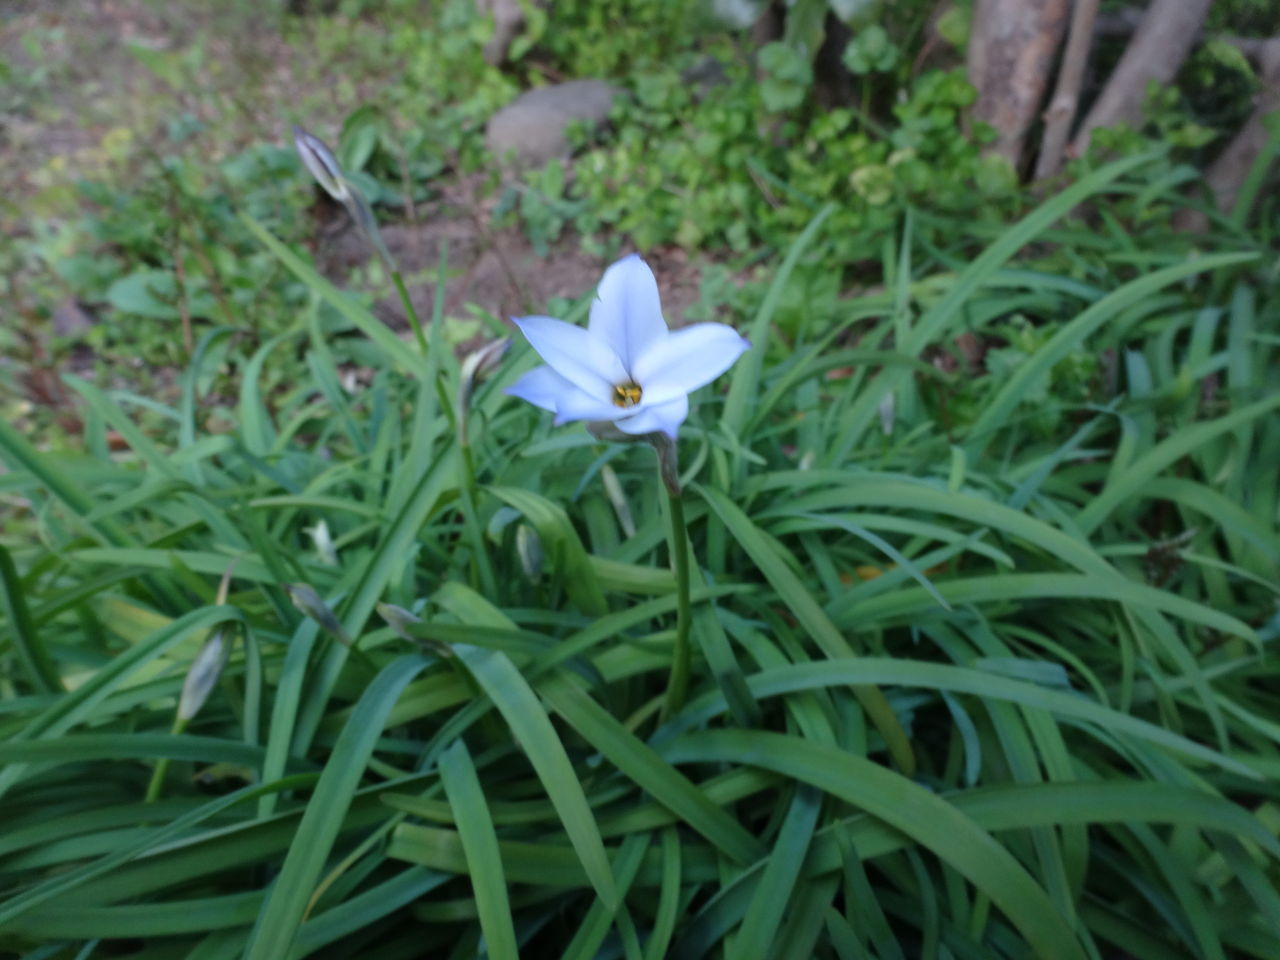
(625, 366)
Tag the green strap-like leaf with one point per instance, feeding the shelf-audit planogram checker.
(924, 817)
(792, 592)
(480, 842)
(286, 904)
(519, 706)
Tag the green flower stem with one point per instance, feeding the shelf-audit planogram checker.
(469, 494)
(678, 685)
(409, 312)
(162, 765)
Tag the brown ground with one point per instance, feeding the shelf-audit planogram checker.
(77, 87)
(496, 271)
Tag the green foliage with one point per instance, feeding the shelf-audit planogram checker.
(690, 167)
(982, 660)
(147, 255)
(984, 550)
(542, 205)
(786, 77)
(593, 39)
(870, 51)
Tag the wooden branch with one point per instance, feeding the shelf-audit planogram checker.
(1227, 173)
(1011, 49)
(1066, 95)
(1156, 52)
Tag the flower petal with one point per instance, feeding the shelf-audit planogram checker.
(587, 361)
(686, 360)
(545, 388)
(627, 312)
(542, 387)
(579, 406)
(661, 417)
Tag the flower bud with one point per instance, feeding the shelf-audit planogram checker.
(306, 599)
(529, 550)
(888, 409)
(322, 165)
(203, 674)
(324, 544)
(477, 365)
(401, 621)
(618, 499)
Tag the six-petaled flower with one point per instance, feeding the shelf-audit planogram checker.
(625, 366)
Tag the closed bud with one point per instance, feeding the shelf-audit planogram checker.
(326, 171)
(529, 550)
(618, 499)
(201, 677)
(477, 365)
(401, 621)
(888, 409)
(324, 544)
(322, 165)
(306, 599)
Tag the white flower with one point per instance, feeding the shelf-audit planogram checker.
(626, 366)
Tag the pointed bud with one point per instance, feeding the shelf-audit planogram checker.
(477, 365)
(401, 621)
(306, 599)
(618, 499)
(322, 165)
(888, 409)
(529, 549)
(324, 544)
(203, 674)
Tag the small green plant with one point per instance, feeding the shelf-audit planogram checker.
(163, 260)
(542, 204)
(870, 51)
(691, 167)
(367, 672)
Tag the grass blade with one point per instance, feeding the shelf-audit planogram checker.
(932, 822)
(515, 700)
(32, 655)
(286, 903)
(480, 844)
(777, 884)
(811, 616)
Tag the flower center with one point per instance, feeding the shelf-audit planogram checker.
(626, 394)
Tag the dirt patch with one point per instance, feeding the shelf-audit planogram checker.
(94, 85)
(494, 270)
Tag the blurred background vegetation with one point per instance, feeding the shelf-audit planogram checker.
(135, 132)
(985, 527)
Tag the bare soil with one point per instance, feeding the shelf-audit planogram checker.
(78, 82)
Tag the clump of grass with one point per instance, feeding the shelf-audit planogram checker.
(982, 693)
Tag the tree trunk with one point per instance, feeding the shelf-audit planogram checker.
(1156, 52)
(1227, 173)
(1066, 95)
(1011, 50)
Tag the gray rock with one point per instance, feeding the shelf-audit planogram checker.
(531, 129)
(70, 318)
(508, 21)
(705, 74)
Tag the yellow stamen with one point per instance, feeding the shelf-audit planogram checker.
(626, 394)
